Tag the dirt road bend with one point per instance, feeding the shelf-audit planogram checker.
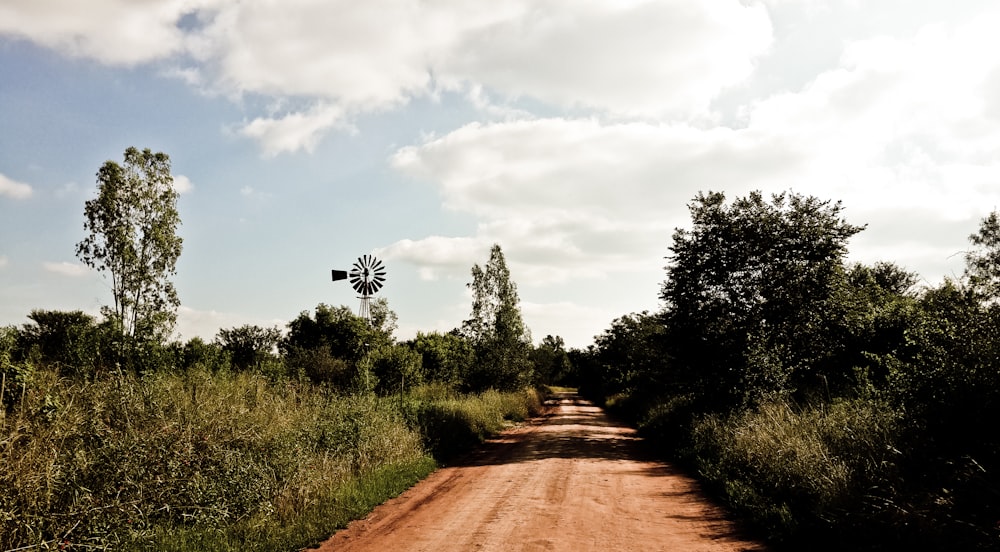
(572, 480)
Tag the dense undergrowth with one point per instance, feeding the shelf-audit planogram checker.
(218, 461)
(833, 406)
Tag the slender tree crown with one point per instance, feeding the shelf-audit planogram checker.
(133, 241)
(496, 330)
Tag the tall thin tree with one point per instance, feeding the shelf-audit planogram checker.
(501, 340)
(133, 241)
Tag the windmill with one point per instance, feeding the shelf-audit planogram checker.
(367, 277)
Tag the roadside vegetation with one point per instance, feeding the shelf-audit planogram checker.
(115, 437)
(834, 406)
(195, 460)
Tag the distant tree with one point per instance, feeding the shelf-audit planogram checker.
(65, 339)
(877, 308)
(499, 337)
(445, 357)
(249, 345)
(132, 226)
(197, 352)
(394, 369)
(550, 360)
(982, 261)
(627, 357)
(751, 291)
(329, 345)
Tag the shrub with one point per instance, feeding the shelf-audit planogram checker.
(109, 461)
(801, 471)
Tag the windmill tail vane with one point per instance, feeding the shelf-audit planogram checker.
(367, 276)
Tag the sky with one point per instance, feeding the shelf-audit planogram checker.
(304, 134)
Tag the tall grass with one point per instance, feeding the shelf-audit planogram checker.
(801, 470)
(452, 423)
(212, 460)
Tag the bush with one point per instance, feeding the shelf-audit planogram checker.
(802, 472)
(110, 461)
(452, 424)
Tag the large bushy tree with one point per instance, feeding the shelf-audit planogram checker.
(132, 239)
(551, 360)
(249, 345)
(499, 337)
(751, 291)
(330, 344)
(445, 357)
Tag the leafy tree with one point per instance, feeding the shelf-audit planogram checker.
(395, 369)
(445, 357)
(329, 345)
(249, 345)
(499, 337)
(627, 357)
(132, 226)
(196, 352)
(751, 292)
(65, 339)
(877, 310)
(550, 360)
(982, 261)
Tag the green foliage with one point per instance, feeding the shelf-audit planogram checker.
(330, 345)
(445, 358)
(132, 238)
(64, 339)
(751, 293)
(802, 471)
(627, 357)
(110, 460)
(499, 337)
(15, 376)
(396, 369)
(983, 260)
(196, 353)
(249, 346)
(452, 423)
(551, 361)
(333, 510)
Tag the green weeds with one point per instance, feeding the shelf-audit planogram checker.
(223, 461)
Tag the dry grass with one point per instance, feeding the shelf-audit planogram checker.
(126, 462)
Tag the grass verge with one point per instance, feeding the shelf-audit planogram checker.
(218, 461)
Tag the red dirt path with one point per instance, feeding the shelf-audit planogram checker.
(572, 480)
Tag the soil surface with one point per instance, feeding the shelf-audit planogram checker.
(571, 480)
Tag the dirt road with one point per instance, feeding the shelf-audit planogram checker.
(572, 480)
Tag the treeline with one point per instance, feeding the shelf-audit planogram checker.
(835, 406)
(330, 347)
(260, 439)
(114, 435)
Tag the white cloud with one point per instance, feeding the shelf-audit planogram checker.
(902, 126)
(73, 270)
(182, 184)
(903, 123)
(438, 256)
(4, 261)
(647, 59)
(294, 131)
(637, 58)
(14, 189)
(571, 199)
(207, 323)
(122, 32)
